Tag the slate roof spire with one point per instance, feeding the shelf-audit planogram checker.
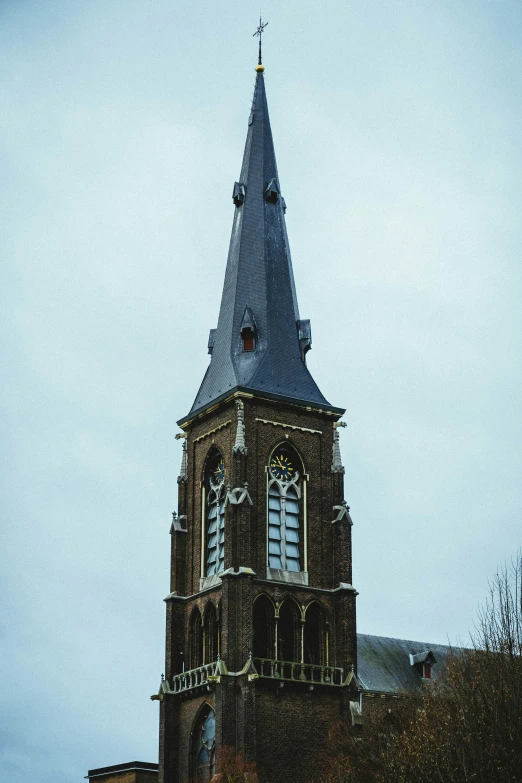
(260, 341)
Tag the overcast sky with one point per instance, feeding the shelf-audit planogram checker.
(397, 128)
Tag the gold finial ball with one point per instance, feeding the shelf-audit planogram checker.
(260, 68)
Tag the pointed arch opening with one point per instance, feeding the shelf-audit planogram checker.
(204, 745)
(314, 635)
(213, 549)
(263, 624)
(286, 519)
(195, 639)
(289, 631)
(210, 634)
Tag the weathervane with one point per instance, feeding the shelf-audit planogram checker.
(259, 32)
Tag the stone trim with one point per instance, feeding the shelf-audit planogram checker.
(211, 432)
(287, 577)
(289, 426)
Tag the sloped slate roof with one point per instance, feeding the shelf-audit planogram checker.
(259, 280)
(383, 664)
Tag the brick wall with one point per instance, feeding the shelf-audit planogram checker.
(123, 776)
(292, 724)
(280, 729)
(217, 429)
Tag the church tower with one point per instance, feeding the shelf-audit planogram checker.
(261, 636)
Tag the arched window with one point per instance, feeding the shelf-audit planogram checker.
(204, 745)
(214, 550)
(314, 635)
(210, 633)
(289, 632)
(263, 628)
(195, 639)
(285, 543)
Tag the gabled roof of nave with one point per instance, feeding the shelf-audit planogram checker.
(259, 289)
(384, 664)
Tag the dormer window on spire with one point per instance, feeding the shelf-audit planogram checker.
(248, 330)
(304, 332)
(272, 191)
(249, 342)
(239, 193)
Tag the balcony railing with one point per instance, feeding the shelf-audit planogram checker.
(299, 672)
(193, 678)
(258, 667)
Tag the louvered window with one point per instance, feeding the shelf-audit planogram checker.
(284, 514)
(215, 532)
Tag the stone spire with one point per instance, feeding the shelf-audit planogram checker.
(260, 341)
(337, 463)
(183, 471)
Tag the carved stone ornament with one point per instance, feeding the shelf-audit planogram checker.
(163, 689)
(343, 512)
(356, 714)
(179, 524)
(183, 472)
(240, 444)
(238, 496)
(337, 463)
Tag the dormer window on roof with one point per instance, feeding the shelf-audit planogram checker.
(423, 662)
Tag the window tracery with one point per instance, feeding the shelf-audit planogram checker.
(204, 745)
(215, 516)
(284, 513)
(210, 633)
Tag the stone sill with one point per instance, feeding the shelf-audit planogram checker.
(209, 581)
(288, 577)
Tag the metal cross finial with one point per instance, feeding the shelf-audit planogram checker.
(259, 32)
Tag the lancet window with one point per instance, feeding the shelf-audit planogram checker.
(314, 635)
(292, 634)
(195, 639)
(210, 634)
(204, 745)
(289, 632)
(263, 628)
(285, 527)
(214, 551)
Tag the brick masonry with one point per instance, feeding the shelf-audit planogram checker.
(281, 729)
(125, 773)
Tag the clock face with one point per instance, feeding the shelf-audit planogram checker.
(219, 471)
(281, 467)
